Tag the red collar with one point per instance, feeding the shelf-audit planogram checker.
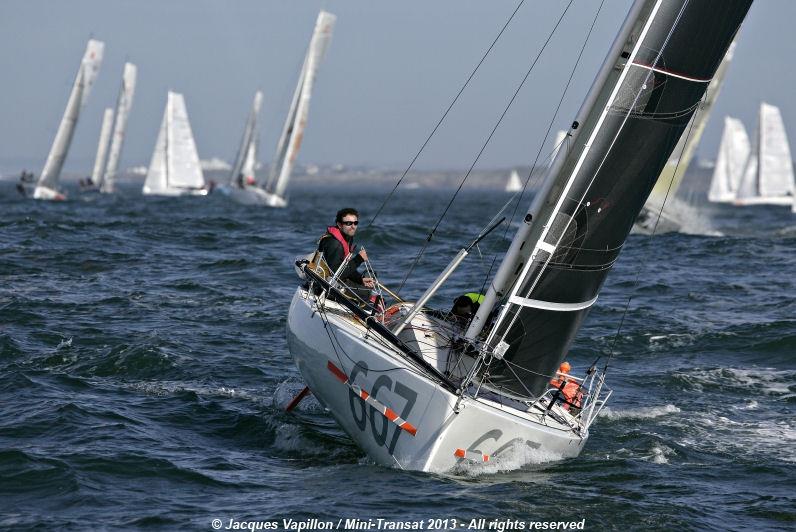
(335, 232)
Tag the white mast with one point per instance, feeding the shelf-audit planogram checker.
(102, 147)
(47, 185)
(293, 131)
(123, 105)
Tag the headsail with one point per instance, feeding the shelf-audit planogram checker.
(646, 92)
(86, 75)
(156, 176)
(123, 105)
(102, 147)
(733, 153)
(293, 131)
(775, 166)
(247, 152)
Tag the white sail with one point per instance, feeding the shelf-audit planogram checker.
(768, 177)
(775, 165)
(293, 131)
(514, 183)
(123, 104)
(84, 80)
(246, 158)
(558, 144)
(174, 168)
(730, 164)
(102, 147)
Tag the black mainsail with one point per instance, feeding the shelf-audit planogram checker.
(650, 85)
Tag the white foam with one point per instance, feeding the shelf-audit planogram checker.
(64, 344)
(660, 454)
(646, 412)
(513, 458)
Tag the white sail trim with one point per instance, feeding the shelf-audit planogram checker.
(565, 193)
(102, 146)
(84, 80)
(550, 305)
(123, 105)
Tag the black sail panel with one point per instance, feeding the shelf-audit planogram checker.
(605, 180)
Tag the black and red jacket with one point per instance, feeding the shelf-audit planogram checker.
(335, 247)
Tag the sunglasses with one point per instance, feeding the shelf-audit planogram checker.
(349, 224)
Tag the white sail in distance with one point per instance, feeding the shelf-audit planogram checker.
(293, 130)
(174, 169)
(102, 146)
(514, 183)
(47, 186)
(733, 153)
(245, 160)
(768, 177)
(124, 103)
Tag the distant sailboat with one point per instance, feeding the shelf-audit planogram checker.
(102, 151)
(123, 104)
(296, 122)
(514, 184)
(768, 177)
(174, 169)
(242, 185)
(734, 151)
(47, 188)
(655, 215)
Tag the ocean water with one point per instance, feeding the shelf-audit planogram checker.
(143, 369)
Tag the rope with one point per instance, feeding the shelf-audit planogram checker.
(445, 114)
(483, 147)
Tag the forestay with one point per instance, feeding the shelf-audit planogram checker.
(86, 75)
(649, 87)
(293, 130)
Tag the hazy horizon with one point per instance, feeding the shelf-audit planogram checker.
(390, 72)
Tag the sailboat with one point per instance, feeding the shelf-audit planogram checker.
(47, 187)
(734, 151)
(124, 103)
(514, 184)
(419, 391)
(768, 176)
(293, 130)
(242, 186)
(102, 152)
(660, 213)
(174, 169)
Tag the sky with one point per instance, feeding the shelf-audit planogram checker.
(389, 74)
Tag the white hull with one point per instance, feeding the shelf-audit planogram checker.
(252, 196)
(786, 201)
(171, 192)
(45, 193)
(482, 428)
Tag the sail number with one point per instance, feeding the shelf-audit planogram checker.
(379, 425)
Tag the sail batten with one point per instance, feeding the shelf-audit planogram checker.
(576, 226)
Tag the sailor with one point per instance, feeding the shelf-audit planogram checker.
(568, 386)
(338, 242)
(465, 306)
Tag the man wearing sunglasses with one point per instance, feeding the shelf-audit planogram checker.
(338, 242)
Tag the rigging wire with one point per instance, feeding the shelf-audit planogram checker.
(544, 141)
(445, 114)
(483, 147)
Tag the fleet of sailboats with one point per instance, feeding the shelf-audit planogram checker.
(417, 390)
(174, 169)
(48, 185)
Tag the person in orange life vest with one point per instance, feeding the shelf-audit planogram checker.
(338, 242)
(569, 387)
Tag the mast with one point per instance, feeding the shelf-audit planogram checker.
(643, 98)
(293, 131)
(84, 80)
(102, 146)
(248, 140)
(124, 103)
